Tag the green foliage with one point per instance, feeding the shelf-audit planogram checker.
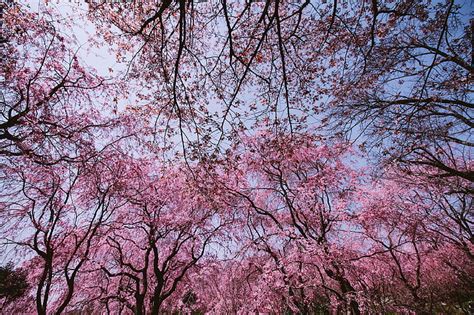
(13, 283)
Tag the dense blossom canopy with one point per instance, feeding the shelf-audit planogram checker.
(306, 157)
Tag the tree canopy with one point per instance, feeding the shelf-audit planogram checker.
(306, 157)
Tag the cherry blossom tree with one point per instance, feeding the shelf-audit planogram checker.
(46, 94)
(252, 157)
(154, 241)
(60, 211)
(419, 239)
(314, 237)
(296, 195)
(396, 70)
